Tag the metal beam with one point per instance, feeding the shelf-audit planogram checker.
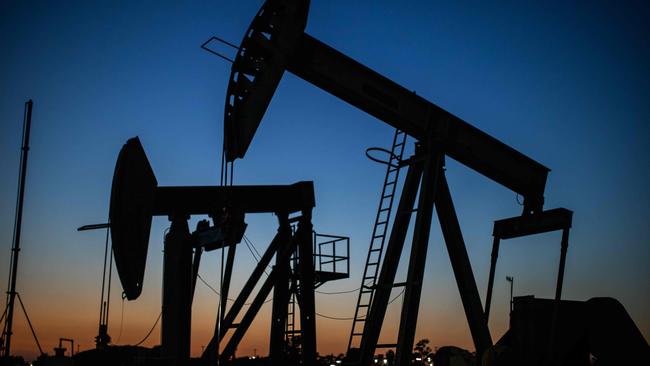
(518, 226)
(493, 264)
(462, 268)
(252, 311)
(251, 199)
(280, 299)
(379, 96)
(542, 222)
(417, 261)
(306, 294)
(196, 262)
(238, 304)
(227, 275)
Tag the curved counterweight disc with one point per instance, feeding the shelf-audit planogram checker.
(132, 200)
(260, 62)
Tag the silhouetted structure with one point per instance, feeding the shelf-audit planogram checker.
(136, 197)
(12, 294)
(600, 327)
(276, 41)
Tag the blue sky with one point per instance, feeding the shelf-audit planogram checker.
(566, 83)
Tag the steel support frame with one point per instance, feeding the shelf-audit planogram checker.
(434, 192)
(15, 250)
(256, 305)
(542, 222)
(417, 261)
(462, 268)
(177, 292)
(227, 275)
(281, 295)
(518, 226)
(282, 246)
(210, 352)
(375, 318)
(306, 295)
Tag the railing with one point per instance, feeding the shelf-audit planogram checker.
(332, 253)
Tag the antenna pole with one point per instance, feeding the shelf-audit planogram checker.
(27, 121)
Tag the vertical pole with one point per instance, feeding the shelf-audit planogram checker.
(375, 318)
(27, 122)
(225, 286)
(196, 262)
(493, 265)
(306, 295)
(558, 291)
(177, 288)
(560, 275)
(462, 268)
(417, 261)
(281, 295)
(512, 285)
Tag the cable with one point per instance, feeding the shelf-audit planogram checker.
(102, 313)
(395, 298)
(3, 315)
(332, 317)
(251, 251)
(338, 292)
(218, 294)
(150, 330)
(253, 245)
(119, 336)
(351, 318)
(210, 287)
(257, 257)
(517, 199)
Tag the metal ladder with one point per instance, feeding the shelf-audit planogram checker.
(373, 260)
(290, 328)
(291, 331)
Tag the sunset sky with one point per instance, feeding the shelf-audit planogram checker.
(565, 83)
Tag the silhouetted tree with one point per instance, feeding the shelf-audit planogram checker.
(422, 351)
(390, 357)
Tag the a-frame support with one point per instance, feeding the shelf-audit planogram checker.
(282, 246)
(426, 172)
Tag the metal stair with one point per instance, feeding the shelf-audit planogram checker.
(379, 231)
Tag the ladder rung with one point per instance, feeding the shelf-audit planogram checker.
(391, 183)
(364, 305)
(382, 222)
(357, 334)
(375, 249)
(386, 345)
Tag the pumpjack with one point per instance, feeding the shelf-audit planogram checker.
(136, 198)
(276, 41)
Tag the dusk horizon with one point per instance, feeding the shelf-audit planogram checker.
(564, 84)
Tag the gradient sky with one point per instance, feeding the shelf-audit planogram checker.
(565, 83)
